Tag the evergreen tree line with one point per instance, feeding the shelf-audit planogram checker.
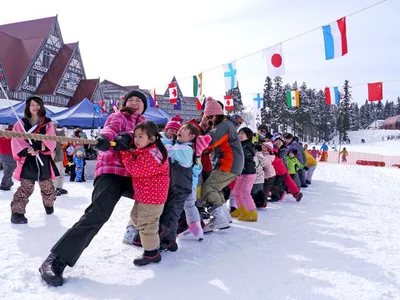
(314, 119)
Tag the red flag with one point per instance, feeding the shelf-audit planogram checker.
(173, 93)
(375, 91)
(103, 106)
(155, 99)
(229, 102)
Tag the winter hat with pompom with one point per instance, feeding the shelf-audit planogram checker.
(174, 123)
(212, 108)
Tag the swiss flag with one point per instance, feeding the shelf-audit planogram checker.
(228, 102)
(173, 93)
(375, 91)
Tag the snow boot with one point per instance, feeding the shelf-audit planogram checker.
(238, 212)
(63, 191)
(219, 220)
(18, 218)
(129, 235)
(49, 210)
(249, 216)
(52, 269)
(298, 196)
(148, 257)
(227, 213)
(136, 239)
(169, 246)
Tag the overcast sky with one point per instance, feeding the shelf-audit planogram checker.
(147, 42)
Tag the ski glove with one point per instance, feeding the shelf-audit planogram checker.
(103, 144)
(36, 145)
(122, 142)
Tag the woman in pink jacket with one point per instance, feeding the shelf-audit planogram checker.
(112, 181)
(27, 156)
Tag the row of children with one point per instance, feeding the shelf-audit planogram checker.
(162, 173)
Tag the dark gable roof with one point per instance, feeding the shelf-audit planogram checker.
(131, 87)
(85, 89)
(19, 42)
(50, 81)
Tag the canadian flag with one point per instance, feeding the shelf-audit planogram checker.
(173, 93)
(228, 102)
(274, 59)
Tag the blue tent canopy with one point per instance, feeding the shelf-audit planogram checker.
(156, 115)
(7, 116)
(81, 115)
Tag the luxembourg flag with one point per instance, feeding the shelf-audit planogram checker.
(335, 39)
(332, 95)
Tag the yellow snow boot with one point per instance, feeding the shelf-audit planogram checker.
(248, 216)
(238, 212)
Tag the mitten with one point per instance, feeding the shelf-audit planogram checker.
(122, 142)
(103, 144)
(36, 145)
(202, 143)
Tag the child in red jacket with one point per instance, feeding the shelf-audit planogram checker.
(148, 165)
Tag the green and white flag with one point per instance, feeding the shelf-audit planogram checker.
(293, 98)
(197, 85)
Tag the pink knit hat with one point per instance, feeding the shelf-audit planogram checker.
(270, 147)
(202, 143)
(174, 123)
(212, 108)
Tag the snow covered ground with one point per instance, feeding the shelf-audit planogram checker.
(373, 142)
(340, 242)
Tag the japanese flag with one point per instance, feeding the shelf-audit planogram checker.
(274, 59)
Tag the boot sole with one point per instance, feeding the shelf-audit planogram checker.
(223, 228)
(51, 281)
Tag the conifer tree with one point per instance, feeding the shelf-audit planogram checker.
(266, 110)
(344, 112)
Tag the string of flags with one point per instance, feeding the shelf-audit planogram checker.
(335, 46)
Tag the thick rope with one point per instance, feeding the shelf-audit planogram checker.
(42, 137)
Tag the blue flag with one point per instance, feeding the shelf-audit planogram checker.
(97, 108)
(177, 106)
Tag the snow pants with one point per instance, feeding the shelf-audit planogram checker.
(146, 217)
(108, 189)
(25, 190)
(242, 191)
(9, 165)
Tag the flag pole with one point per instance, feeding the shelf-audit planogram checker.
(18, 119)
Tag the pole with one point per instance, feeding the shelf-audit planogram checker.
(18, 120)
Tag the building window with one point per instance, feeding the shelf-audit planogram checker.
(47, 59)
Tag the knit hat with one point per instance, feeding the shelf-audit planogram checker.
(174, 123)
(34, 97)
(212, 108)
(269, 145)
(202, 143)
(136, 93)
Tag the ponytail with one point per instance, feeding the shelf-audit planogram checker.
(160, 146)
